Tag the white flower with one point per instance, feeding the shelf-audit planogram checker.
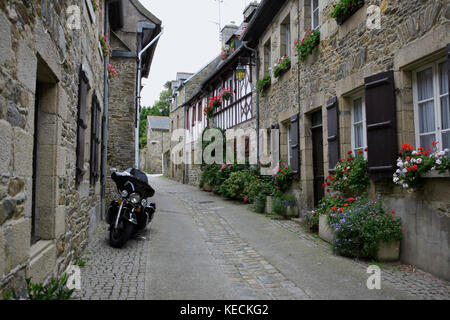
(414, 152)
(438, 162)
(413, 160)
(398, 171)
(348, 168)
(400, 164)
(446, 150)
(396, 179)
(404, 170)
(441, 153)
(433, 168)
(405, 186)
(419, 160)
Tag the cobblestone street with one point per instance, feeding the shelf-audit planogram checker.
(203, 247)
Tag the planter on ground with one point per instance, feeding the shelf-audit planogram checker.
(292, 211)
(388, 251)
(207, 187)
(269, 205)
(325, 233)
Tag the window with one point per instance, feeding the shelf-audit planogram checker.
(359, 136)
(431, 106)
(315, 20)
(95, 140)
(286, 37)
(267, 57)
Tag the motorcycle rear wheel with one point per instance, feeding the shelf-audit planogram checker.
(118, 237)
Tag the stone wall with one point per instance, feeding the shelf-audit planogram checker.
(157, 141)
(177, 121)
(40, 59)
(121, 121)
(412, 34)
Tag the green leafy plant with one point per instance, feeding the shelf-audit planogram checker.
(281, 179)
(345, 7)
(55, 290)
(263, 84)
(260, 203)
(278, 206)
(351, 176)
(310, 41)
(284, 63)
(80, 263)
(237, 185)
(360, 225)
(106, 47)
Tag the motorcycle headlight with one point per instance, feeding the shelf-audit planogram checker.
(135, 198)
(124, 193)
(144, 202)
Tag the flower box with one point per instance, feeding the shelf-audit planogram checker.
(435, 174)
(325, 232)
(388, 251)
(291, 211)
(283, 64)
(342, 18)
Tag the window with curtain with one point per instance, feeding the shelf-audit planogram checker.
(431, 106)
(358, 114)
(315, 20)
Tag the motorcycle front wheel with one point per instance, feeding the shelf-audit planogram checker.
(118, 237)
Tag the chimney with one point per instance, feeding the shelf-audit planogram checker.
(249, 11)
(227, 32)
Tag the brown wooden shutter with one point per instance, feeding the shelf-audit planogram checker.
(381, 125)
(295, 146)
(81, 124)
(333, 133)
(95, 140)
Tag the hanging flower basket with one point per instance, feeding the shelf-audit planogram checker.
(226, 94)
(309, 43)
(344, 9)
(214, 103)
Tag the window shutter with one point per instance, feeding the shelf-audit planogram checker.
(295, 146)
(276, 127)
(381, 125)
(333, 133)
(81, 124)
(95, 140)
(194, 113)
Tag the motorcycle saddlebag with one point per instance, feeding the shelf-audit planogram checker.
(112, 212)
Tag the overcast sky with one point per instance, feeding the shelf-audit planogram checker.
(190, 39)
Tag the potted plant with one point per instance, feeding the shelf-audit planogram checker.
(260, 203)
(263, 84)
(309, 43)
(327, 206)
(345, 9)
(363, 229)
(283, 64)
(225, 94)
(278, 206)
(289, 205)
(413, 164)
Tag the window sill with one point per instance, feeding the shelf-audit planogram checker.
(435, 175)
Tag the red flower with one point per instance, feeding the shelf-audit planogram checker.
(278, 188)
(350, 152)
(324, 185)
(366, 149)
(435, 143)
(351, 199)
(414, 167)
(346, 205)
(407, 147)
(429, 150)
(341, 210)
(392, 212)
(408, 158)
(360, 152)
(314, 214)
(334, 208)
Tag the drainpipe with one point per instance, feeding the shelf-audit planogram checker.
(257, 63)
(138, 96)
(105, 118)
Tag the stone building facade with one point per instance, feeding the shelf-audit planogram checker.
(128, 38)
(158, 141)
(52, 72)
(367, 68)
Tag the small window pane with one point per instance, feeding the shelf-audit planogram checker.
(315, 4)
(316, 19)
(359, 136)
(357, 110)
(425, 84)
(446, 140)
(443, 78)
(426, 117)
(445, 113)
(427, 141)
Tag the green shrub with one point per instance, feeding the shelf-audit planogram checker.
(237, 185)
(360, 225)
(278, 206)
(260, 203)
(54, 290)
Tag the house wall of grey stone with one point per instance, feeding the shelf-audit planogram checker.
(157, 140)
(36, 44)
(412, 34)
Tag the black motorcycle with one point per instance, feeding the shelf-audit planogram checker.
(132, 213)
